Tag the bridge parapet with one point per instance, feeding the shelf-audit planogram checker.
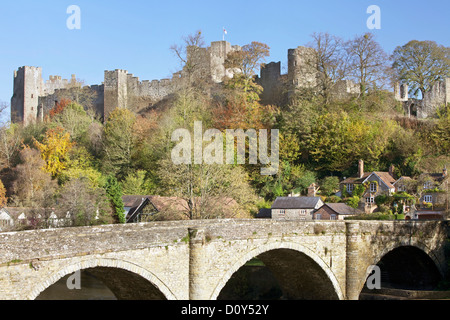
(195, 259)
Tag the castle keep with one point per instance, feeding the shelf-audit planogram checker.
(33, 97)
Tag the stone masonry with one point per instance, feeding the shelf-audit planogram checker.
(191, 260)
(33, 98)
(438, 96)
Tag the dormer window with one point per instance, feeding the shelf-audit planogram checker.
(427, 185)
(350, 187)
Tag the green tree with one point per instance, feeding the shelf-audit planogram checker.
(136, 183)
(75, 120)
(114, 193)
(118, 142)
(420, 64)
(329, 185)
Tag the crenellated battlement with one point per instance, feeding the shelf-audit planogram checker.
(123, 89)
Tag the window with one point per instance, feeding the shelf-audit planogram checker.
(350, 187)
(428, 199)
(282, 212)
(427, 185)
(333, 217)
(303, 212)
(318, 216)
(370, 200)
(373, 187)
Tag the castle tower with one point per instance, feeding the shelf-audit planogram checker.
(270, 81)
(302, 72)
(115, 91)
(401, 92)
(28, 86)
(218, 54)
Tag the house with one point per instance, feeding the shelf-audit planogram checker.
(145, 208)
(6, 220)
(435, 189)
(264, 213)
(138, 208)
(335, 211)
(295, 208)
(404, 184)
(375, 183)
(14, 218)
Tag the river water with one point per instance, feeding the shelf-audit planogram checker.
(90, 289)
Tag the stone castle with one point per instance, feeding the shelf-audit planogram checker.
(33, 98)
(439, 95)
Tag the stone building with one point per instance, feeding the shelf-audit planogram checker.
(335, 211)
(437, 96)
(33, 98)
(295, 208)
(377, 183)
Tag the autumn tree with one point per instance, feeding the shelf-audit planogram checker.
(368, 62)
(420, 64)
(55, 150)
(3, 198)
(207, 191)
(75, 120)
(249, 59)
(191, 57)
(58, 108)
(10, 142)
(86, 205)
(331, 62)
(33, 185)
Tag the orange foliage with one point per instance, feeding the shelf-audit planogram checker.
(59, 107)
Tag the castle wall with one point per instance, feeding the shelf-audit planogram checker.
(270, 80)
(345, 88)
(438, 96)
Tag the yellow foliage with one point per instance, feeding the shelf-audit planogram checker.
(54, 150)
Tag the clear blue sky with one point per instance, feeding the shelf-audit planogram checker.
(136, 35)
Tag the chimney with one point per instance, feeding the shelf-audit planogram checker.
(360, 168)
(391, 170)
(312, 190)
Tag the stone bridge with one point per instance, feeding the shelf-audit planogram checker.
(194, 260)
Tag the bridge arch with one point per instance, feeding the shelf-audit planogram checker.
(102, 263)
(290, 246)
(410, 249)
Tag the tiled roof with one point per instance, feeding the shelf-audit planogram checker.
(384, 176)
(342, 208)
(295, 202)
